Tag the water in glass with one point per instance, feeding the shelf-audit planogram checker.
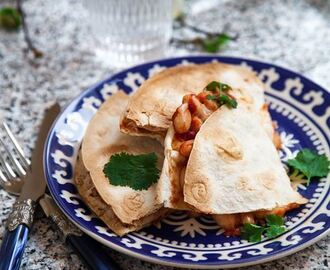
(127, 32)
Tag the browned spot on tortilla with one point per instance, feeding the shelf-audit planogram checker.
(228, 148)
(266, 179)
(182, 175)
(277, 140)
(199, 192)
(102, 131)
(243, 184)
(176, 189)
(242, 95)
(175, 167)
(133, 201)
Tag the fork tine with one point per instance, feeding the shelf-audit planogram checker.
(26, 162)
(14, 162)
(3, 178)
(8, 170)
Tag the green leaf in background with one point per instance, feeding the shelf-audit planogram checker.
(10, 18)
(136, 171)
(214, 44)
(310, 164)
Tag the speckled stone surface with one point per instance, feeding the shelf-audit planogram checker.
(294, 34)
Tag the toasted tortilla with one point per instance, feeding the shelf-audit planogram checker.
(150, 109)
(105, 212)
(170, 184)
(247, 89)
(103, 139)
(234, 166)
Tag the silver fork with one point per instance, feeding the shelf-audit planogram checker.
(13, 163)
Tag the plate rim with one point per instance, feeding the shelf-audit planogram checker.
(156, 260)
(199, 266)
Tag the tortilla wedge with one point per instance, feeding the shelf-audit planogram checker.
(103, 139)
(234, 166)
(105, 212)
(149, 111)
(170, 185)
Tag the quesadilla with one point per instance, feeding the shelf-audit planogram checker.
(105, 212)
(234, 168)
(102, 140)
(188, 119)
(150, 110)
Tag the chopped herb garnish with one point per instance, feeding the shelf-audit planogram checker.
(136, 171)
(274, 231)
(310, 164)
(273, 228)
(223, 100)
(10, 18)
(274, 220)
(252, 232)
(210, 97)
(214, 85)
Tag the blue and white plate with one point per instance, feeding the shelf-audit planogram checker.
(302, 111)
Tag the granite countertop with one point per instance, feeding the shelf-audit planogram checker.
(294, 34)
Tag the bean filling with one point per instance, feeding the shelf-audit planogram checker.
(195, 109)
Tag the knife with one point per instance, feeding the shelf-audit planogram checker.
(21, 218)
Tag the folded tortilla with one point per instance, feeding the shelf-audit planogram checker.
(103, 139)
(234, 166)
(171, 182)
(170, 185)
(105, 212)
(150, 109)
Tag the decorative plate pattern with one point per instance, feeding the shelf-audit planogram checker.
(302, 111)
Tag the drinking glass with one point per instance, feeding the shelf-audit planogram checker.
(127, 32)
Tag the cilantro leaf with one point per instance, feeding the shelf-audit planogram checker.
(252, 232)
(223, 100)
(136, 171)
(214, 85)
(273, 228)
(210, 97)
(274, 231)
(214, 44)
(229, 102)
(10, 18)
(310, 164)
(274, 220)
